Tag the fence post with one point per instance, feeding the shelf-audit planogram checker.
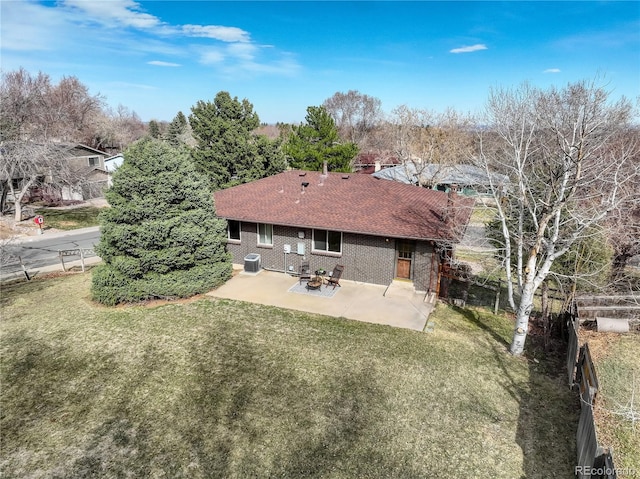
(62, 261)
(24, 268)
(572, 350)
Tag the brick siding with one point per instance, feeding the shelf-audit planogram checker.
(368, 259)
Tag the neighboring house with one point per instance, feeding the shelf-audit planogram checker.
(379, 230)
(85, 175)
(368, 163)
(79, 174)
(467, 179)
(111, 164)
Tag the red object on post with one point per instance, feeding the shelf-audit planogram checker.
(38, 220)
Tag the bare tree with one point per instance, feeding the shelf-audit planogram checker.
(23, 165)
(34, 109)
(356, 115)
(115, 130)
(67, 111)
(623, 223)
(566, 154)
(36, 116)
(427, 142)
(21, 98)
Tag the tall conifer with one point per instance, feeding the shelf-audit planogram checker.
(160, 238)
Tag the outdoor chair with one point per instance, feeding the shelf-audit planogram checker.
(305, 272)
(334, 279)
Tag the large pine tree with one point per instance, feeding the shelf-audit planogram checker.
(317, 141)
(177, 130)
(227, 150)
(160, 238)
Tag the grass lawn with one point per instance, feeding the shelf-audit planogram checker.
(618, 401)
(218, 388)
(70, 219)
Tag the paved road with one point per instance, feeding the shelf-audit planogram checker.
(41, 251)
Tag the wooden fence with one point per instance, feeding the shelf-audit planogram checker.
(81, 252)
(572, 348)
(593, 460)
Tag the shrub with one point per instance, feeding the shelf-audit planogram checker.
(160, 238)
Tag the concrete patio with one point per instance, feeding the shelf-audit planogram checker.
(397, 305)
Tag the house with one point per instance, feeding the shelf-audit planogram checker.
(369, 162)
(111, 164)
(73, 172)
(379, 230)
(114, 162)
(467, 179)
(83, 173)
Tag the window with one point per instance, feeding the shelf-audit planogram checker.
(233, 230)
(94, 161)
(406, 249)
(265, 234)
(329, 241)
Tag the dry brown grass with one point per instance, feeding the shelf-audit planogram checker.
(617, 361)
(218, 388)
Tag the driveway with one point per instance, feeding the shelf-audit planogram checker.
(397, 305)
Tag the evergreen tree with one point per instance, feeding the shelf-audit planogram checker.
(160, 238)
(154, 129)
(177, 129)
(270, 157)
(311, 144)
(227, 151)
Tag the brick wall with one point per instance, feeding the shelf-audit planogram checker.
(368, 259)
(425, 269)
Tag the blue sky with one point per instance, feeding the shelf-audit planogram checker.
(161, 57)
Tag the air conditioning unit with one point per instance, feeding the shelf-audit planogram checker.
(252, 263)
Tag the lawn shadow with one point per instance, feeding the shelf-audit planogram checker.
(122, 444)
(547, 417)
(475, 319)
(46, 381)
(11, 290)
(258, 417)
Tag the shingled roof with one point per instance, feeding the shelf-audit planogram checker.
(347, 202)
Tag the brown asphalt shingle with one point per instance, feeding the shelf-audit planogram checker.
(345, 202)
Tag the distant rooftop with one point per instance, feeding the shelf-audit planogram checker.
(462, 175)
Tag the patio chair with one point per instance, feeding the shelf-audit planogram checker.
(305, 272)
(334, 279)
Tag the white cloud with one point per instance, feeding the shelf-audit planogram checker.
(232, 52)
(244, 51)
(212, 56)
(552, 70)
(63, 26)
(225, 34)
(159, 63)
(28, 26)
(127, 85)
(125, 12)
(471, 48)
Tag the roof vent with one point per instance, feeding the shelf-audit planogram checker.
(345, 177)
(303, 173)
(305, 184)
